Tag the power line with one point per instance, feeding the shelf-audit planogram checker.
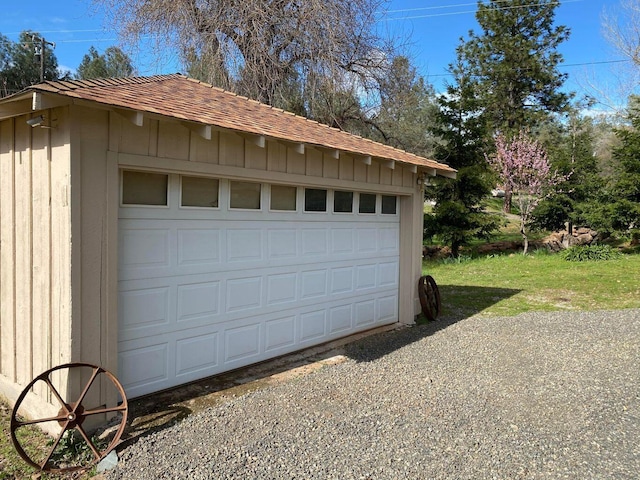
(464, 12)
(564, 65)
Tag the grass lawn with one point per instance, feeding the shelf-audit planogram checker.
(512, 284)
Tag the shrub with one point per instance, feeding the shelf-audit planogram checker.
(586, 253)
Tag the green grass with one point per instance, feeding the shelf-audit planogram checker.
(512, 284)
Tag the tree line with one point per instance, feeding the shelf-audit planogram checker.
(328, 60)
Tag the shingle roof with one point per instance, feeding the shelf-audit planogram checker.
(187, 99)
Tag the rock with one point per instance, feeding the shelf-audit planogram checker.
(584, 239)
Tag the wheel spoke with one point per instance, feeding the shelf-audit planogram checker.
(54, 446)
(96, 370)
(88, 440)
(55, 392)
(119, 408)
(42, 420)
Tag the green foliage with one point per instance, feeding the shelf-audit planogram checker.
(617, 209)
(512, 284)
(73, 450)
(114, 63)
(407, 107)
(570, 147)
(514, 62)
(586, 253)
(458, 216)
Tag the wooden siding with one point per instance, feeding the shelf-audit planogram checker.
(59, 207)
(35, 264)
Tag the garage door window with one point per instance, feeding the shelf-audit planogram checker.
(367, 203)
(144, 188)
(342, 202)
(388, 205)
(315, 200)
(245, 195)
(199, 192)
(283, 198)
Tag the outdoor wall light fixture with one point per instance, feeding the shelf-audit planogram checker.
(36, 121)
(39, 121)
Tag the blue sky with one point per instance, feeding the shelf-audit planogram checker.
(434, 27)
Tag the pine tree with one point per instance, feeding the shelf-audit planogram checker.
(514, 62)
(458, 214)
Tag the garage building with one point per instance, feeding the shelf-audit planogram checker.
(168, 231)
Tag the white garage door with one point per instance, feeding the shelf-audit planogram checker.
(216, 274)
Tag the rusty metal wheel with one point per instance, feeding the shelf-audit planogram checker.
(429, 295)
(76, 447)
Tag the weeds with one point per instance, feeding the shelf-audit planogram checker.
(590, 253)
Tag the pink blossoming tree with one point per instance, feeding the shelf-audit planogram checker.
(524, 169)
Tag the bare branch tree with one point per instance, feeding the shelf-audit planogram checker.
(622, 29)
(268, 50)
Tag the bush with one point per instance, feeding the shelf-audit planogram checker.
(586, 253)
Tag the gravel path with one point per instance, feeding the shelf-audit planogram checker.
(540, 395)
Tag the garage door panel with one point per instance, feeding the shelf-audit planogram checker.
(387, 274)
(244, 245)
(198, 246)
(197, 355)
(280, 333)
(313, 284)
(198, 300)
(199, 296)
(342, 240)
(282, 244)
(367, 240)
(241, 343)
(387, 308)
(146, 247)
(312, 326)
(314, 242)
(144, 308)
(281, 288)
(388, 239)
(340, 319)
(341, 280)
(143, 367)
(366, 276)
(243, 294)
(365, 313)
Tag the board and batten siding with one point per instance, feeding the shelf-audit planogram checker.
(35, 255)
(59, 199)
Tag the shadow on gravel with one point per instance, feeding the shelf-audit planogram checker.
(458, 303)
(161, 410)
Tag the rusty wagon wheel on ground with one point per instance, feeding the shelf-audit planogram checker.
(429, 295)
(73, 449)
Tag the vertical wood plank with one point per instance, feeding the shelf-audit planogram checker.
(89, 210)
(385, 175)
(202, 150)
(136, 140)
(346, 167)
(231, 150)
(360, 171)
(296, 162)
(61, 243)
(330, 167)
(173, 141)
(314, 162)
(256, 156)
(24, 239)
(276, 157)
(41, 221)
(373, 173)
(7, 252)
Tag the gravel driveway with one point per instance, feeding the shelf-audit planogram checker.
(540, 395)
